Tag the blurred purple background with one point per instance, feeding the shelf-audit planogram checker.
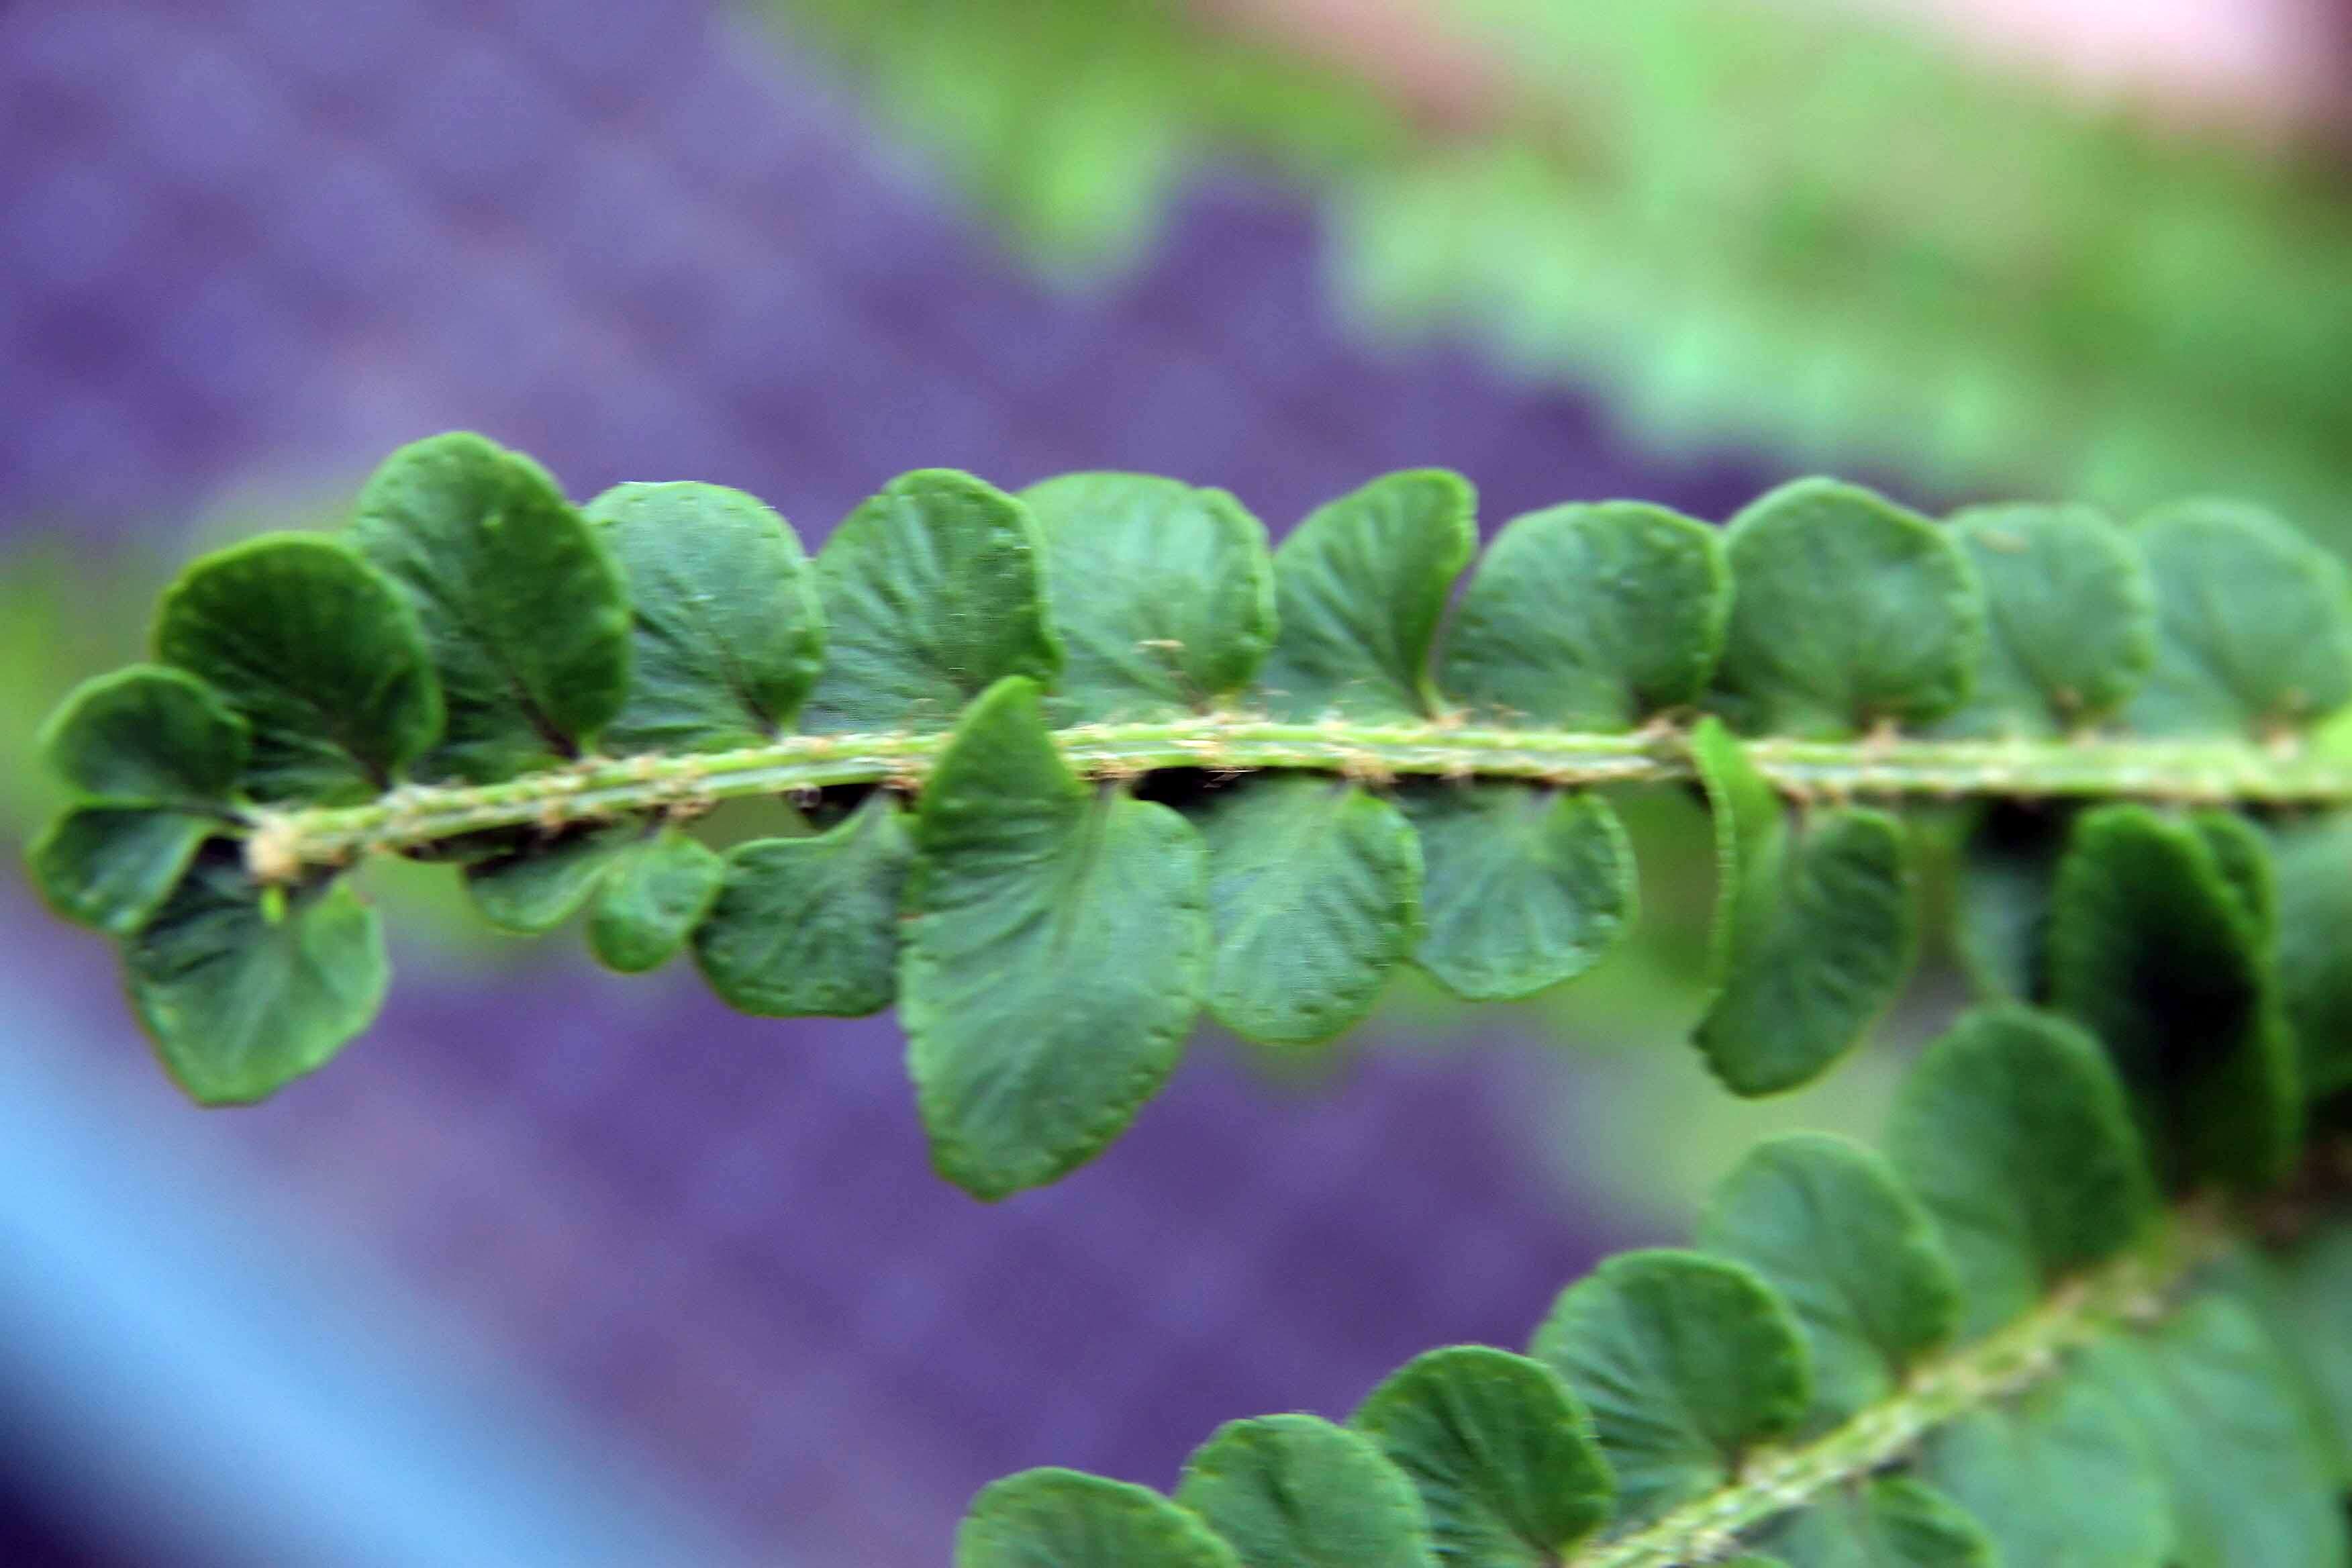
(248, 246)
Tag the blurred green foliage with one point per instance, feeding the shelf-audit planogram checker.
(1751, 223)
(66, 612)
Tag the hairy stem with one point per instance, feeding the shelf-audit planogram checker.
(2132, 1291)
(2201, 772)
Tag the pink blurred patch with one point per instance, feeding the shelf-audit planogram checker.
(2262, 65)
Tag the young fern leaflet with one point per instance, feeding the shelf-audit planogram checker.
(1082, 762)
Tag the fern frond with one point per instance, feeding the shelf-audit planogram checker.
(1997, 1344)
(1080, 763)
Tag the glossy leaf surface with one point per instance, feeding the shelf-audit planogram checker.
(1503, 1458)
(244, 989)
(2015, 1135)
(1295, 1491)
(2306, 1284)
(319, 655)
(1848, 1247)
(1891, 1523)
(1162, 593)
(1805, 655)
(726, 634)
(1588, 617)
(524, 611)
(111, 867)
(1686, 1362)
(933, 590)
(146, 736)
(543, 881)
(1814, 926)
(2062, 1477)
(2071, 619)
(650, 900)
(2254, 623)
(1055, 961)
(1062, 1518)
(1521, 888)
(1360, 587)
(2248, 1481)
(809, 926)
(1314, 896)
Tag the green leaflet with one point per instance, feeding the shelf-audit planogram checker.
(2062, 1431)
(1814, 927)
(1314, 896)
(2152, 947)
(1894, 1522)
(155, 756)
(1360, 587)
(2071, 622)
(2015, 1135)
(110, 867)
(1826, 1224)
(2248, 1481)
(1806, 655)
(2255, 624)
(726, 635)
(146, 736)
(1522, 888)
(544, 882)
(1162, 594)
(1295, 1491)
(1686, 1362)
(1589, 617)
(2000, 902)
(522, 605)
(651, 898)
(245, 990)
(1502, 1457)
(2313, 867)
(2061, 1478)
(931, 592)
(1062, 1518)
(809, 926)
(2304, 1288)
(1053, 964)
(320, 655)
(2243, 856)
(670, 620)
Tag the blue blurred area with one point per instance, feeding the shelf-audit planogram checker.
(551, 1264)
(202, 1374)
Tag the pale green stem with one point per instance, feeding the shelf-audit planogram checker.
(2200, 771)
(2131, 1291)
